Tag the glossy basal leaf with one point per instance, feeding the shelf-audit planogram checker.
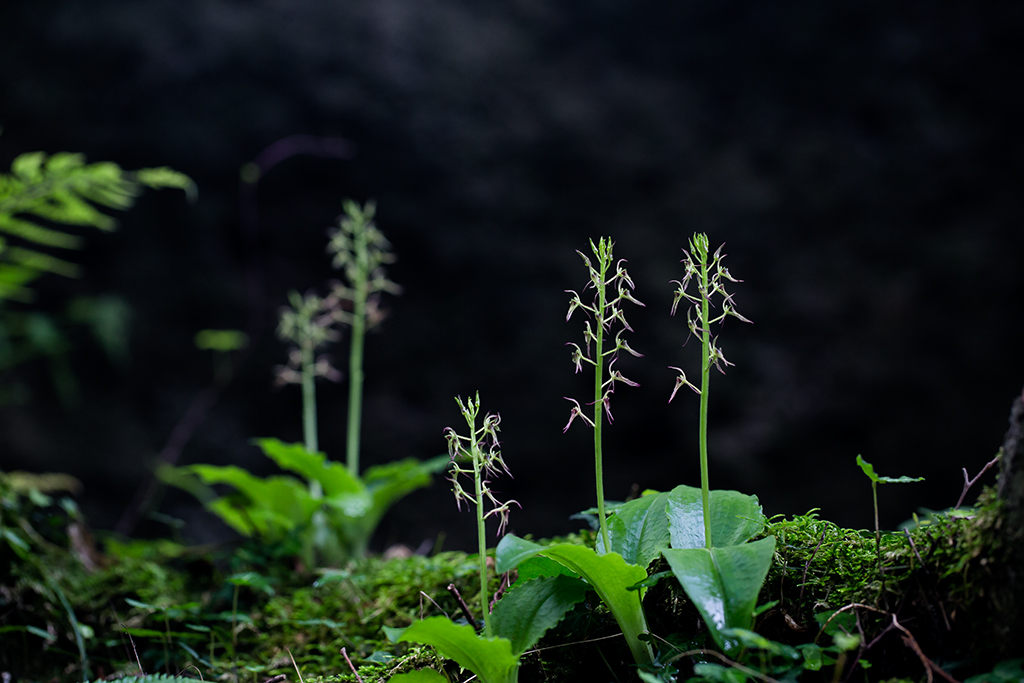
(276, 504)
(525, 613)
(390, 482)
(334, 477)
(723, 583)
(735, 517)
(537, 566)
(608, 574)
(511, 551)
(638, 530)
(491, 659)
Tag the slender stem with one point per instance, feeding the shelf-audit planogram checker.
(598, 402)
(480, 535)
(309, 398)
(878, 533)
(355, 359)
(705, 379)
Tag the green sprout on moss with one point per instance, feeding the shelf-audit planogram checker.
(478, 455)
(308, 324)
(869, 471)
(710, 276)
(604, 310)
(361, 250)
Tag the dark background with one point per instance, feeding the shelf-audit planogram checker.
(862, 161)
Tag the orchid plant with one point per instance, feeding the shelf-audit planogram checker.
(605, 310)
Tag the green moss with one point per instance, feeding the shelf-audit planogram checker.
(173, 610)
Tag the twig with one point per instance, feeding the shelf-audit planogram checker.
(578, 642)
(132, 641)
(968, 482)
(462, 605)
(345, 655)
(852, 605)
(914, 548)
(929, 665)
(297, 666)
(692, 653)
(424, 595)
(803, 581)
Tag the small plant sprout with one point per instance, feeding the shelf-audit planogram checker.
(478, 455)
(361, 251)
(604, 310)
(308, 324)
(869, 471)
(710, 276)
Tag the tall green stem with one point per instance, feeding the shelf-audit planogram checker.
(705, 380)
(309, 399)
(599, 405)
(480, 535)
(355, 359)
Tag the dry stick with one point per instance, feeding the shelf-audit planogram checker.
(345, 655)
(424, 595)
(929, 665)
(852, 605)
(736, 665)
(132, 641)
(462, 605)
(578, 642)
(803, 581)
(297, 666)
(968, 482)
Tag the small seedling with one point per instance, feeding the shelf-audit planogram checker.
(604, 310)
(361, 251)
(710, 276)
(869, 471)
(478, 455)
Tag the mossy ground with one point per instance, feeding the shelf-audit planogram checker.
(172, 609)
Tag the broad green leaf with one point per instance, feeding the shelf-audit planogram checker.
(540, 566)
(333, 477)
(723, 583)
(639, 529)
(511, 551)
(491, 659)
(735, 517)
(608, 574)
(419, 676)
(388, 483)
(869, 470)
(274, 504)
(525, 613)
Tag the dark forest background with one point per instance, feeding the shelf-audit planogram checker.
(862, 161)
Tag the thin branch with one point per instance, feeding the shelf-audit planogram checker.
(968, 482)
(297, 666)
(462, 605)
(929, 665)
(803, 581)
(345, 655)
(852, 605)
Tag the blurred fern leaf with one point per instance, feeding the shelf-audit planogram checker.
(42, 192)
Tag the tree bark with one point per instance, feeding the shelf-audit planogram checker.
(1007, 595)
